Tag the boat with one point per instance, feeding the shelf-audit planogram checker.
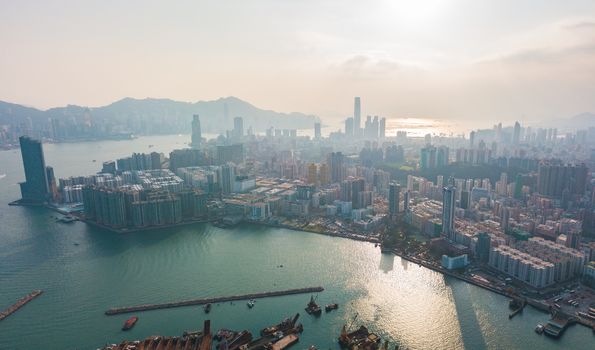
(224, 334)
(251, 303)
(129, 323)
(67, 219)
(207, 308)
(312, 308)
(359, 339)
(284, 326)
(539, 328)
(331, 307)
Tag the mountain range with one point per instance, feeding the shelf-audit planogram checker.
(162, 115)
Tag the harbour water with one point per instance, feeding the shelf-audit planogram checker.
(85, 270)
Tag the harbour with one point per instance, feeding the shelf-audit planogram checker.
(397, 299)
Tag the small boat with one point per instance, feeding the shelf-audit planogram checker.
(251, 303)
(312, 308)
(94, 160)
(331, 307)
(539, 329)
(207, 308)
(129, 323)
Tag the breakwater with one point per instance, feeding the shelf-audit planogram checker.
(202, 301)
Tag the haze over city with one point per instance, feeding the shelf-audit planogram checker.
(448, 60)
(285, 175)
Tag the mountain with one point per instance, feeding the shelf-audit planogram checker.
(570, 124)
(154, 116)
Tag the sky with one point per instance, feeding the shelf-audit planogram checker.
(465, 61)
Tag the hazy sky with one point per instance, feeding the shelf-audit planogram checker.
(464, 60)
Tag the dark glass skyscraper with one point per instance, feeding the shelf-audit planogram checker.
(35, 188)
(394, 197)
(448, 211)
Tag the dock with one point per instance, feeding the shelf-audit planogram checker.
(19, 304)
(202, 301)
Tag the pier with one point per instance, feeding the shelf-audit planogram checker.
(201, 301)
(19, 304)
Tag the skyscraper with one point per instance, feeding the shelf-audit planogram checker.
(448, 211)
(335, 163)
(227, 177)
(238, 127)
(35, 189)
(553, 179)
(196, 132)
(349, 127)
(516, 136)
(382, 133)
(317, 132)
(357, 117)
(394, 197)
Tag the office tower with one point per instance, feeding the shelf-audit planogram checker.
(357, 197)
(516, 136)
(357, 117)
(394, 197)
(382, 131)
(406, 201)
(238, 127)
(553, 179)
(231, 153)
(227, 177)
(346, 191)
(335, 163)
(196, 132)
(504, 218)
(428, 139)
(317, 132)
(448, 212)
(349, 127)
(35, 189)
(471, 139)
(325, 177)
(483, 247)
(312, 174)
(53, 189)
(465, 199)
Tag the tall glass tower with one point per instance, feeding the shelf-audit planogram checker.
(35, 188)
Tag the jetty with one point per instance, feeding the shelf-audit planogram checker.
(19, 304)
(202, 301)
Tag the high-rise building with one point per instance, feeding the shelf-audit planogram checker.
(554, 179)
(357, 117)
(230, 153)
(394, 197)
(483, 247)
(358, 186)
(227, 177)
(325, 177)
(382, 132)
(196, 132)
(238, 127)
(448, 211)
(35, 189)
(516, 135)
(335, 163)
(317, 131)
(406, 201)
(349, 127)
(312, 174)
(471, 139)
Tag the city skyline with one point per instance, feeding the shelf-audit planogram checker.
(405, 59)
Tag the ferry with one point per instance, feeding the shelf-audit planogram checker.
(129, 323)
